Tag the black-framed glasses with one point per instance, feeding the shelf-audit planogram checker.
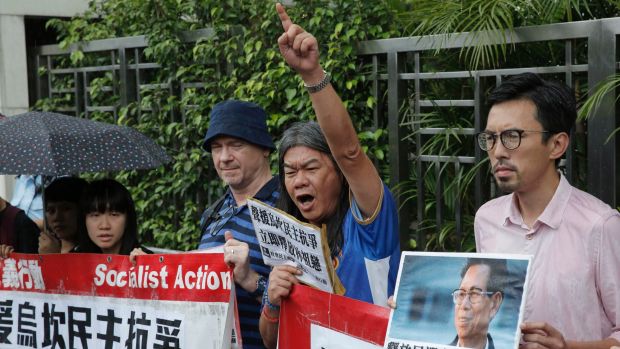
(221, 219)
(475, 295)
(511, 139)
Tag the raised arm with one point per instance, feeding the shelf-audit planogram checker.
(300, 50)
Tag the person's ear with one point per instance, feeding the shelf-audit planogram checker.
(558, 144)
(496, 302)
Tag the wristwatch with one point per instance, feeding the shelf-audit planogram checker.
(261, 285)
(320, 85)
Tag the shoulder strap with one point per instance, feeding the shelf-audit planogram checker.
(210, 214)
(7, 225)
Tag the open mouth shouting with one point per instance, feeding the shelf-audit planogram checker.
(305, 202)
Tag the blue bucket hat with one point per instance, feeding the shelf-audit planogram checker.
(243, 120)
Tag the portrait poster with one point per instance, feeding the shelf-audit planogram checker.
(444, 300)
(313, 319)
(104, 301)
(286, 240)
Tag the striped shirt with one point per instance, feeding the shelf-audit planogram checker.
(237, 220)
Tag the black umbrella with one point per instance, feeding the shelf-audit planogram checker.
(54, 144)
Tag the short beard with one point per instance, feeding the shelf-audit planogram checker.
(506, 187)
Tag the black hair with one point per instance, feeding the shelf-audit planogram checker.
(67, 189)
(109, 195)
(556, 108)
(309, 134)
(498, 272)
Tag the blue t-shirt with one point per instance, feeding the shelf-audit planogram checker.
(237, 220)
(368, 264)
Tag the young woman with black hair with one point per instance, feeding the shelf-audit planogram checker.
(110, 223)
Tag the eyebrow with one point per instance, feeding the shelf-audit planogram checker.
(506, 129)
(305, 164)
(470, 289)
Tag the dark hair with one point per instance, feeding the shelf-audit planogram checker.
(109, 195)
(498, 272)
(309, 134)
(556, 108)
(67, 189)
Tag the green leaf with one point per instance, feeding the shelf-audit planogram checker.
(370, 102)
(338, 28)
(290, 93)
(187, 166)
(77, 56)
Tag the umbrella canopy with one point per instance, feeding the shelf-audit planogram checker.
(54, 144)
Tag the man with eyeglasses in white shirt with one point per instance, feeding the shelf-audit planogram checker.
(573, 300)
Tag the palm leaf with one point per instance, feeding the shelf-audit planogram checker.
(601, 91)
(591, 105)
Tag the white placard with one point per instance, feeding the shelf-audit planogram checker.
(285, 240)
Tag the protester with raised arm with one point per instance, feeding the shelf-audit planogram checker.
(327, 179)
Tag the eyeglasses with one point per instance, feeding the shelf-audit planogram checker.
(221, 219)
(511, 139)
(475, 296)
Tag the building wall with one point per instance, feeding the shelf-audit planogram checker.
(13, 65)
(44, 8)
(13, 59)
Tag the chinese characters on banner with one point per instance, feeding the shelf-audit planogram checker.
(285, 240)
(444, 297)
(100, 301)
(313, 319)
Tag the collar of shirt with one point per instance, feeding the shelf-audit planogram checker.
(552, 215)
(486, 346)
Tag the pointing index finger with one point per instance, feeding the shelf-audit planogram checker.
(284, 18)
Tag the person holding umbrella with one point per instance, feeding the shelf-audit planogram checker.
(61, 206)
(60, 145)
(61, 216)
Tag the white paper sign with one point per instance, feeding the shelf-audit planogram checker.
(325, 338)
(285, 240)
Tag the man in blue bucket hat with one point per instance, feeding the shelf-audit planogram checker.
(240, 145)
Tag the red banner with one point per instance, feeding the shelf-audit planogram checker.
(189, 277)
(100, 301)
(306, 308)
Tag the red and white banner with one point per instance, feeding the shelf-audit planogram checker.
(102, 301)
(313, 319)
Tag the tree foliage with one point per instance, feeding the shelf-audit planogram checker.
(240, 61)
(491, 21)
